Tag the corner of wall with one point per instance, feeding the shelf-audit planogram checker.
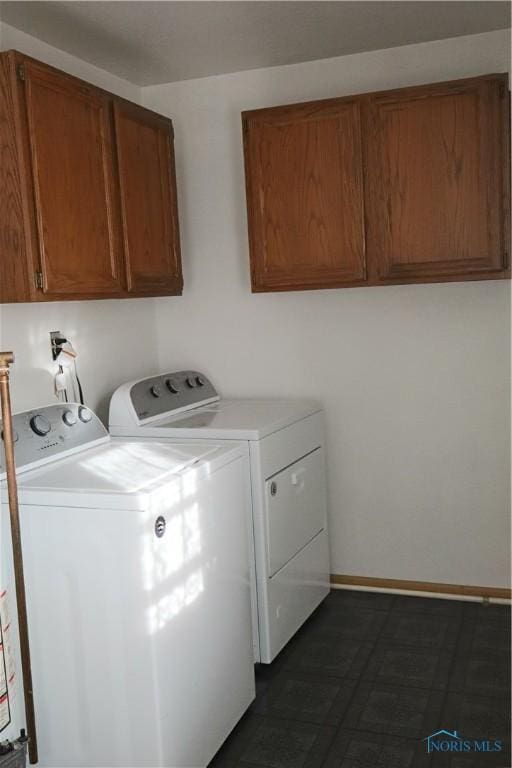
(10, 37)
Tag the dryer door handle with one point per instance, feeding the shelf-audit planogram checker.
(298, 478)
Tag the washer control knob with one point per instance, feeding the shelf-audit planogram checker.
(199, 381)
(171, 386)
(40, 425)
(155, 390)
(190, 382)
(84, 414)
(69, 418)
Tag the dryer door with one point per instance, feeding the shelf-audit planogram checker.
(296, 508)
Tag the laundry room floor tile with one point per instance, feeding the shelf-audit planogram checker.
(306, 698)
(355, 599)
(372, 750)
(347, 621)
(275, 743)
(394, 664)
(484, 635)
(327, 652)
(469, 760)
(478, 717)
(428, 606)
(369, 676)
(421, 630)
(396, 711)
(482, 674)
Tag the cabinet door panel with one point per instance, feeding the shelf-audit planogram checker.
(436, 181)
(305, 196)
(69, 133)
(148, 200)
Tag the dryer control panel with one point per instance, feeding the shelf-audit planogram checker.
(45, 433)
(169, 392)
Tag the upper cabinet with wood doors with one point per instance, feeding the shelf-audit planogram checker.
(402, 186)
(87, 206)
(304, 171)
(437, 181)
(149, 211)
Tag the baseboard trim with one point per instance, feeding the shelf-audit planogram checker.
(465, 590)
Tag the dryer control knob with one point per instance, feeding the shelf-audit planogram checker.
(84, 414)
(190, 382)
(172, 386)
(69, 418)
(40, 425)
(199, 381)
(155, 390)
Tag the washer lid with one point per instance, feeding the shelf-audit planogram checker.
(121, 474)
(228, 419)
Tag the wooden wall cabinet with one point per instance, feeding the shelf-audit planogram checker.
(149, 211)
(305, 195)
(437, 181)
(402, 186)
(87, 201)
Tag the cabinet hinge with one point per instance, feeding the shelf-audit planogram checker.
(20, 71)
(38, 279)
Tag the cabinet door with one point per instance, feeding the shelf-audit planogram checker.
(148, 200)
(304, 195)
(437, 181)
(68, 133)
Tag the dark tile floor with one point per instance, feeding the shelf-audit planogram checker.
(369, 676)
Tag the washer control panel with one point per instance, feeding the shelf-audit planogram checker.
(175, 391)
(52, 431)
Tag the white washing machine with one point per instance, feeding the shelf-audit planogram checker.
(286, 447)
(138, 592)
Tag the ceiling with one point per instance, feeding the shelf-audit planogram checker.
(156, 42)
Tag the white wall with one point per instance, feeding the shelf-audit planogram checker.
(414, 379)
(115, 339)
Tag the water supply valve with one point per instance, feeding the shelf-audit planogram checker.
(13, 754)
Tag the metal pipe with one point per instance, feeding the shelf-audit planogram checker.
(6, 359)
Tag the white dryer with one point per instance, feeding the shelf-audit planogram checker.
(138, 592)
(286, 447)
